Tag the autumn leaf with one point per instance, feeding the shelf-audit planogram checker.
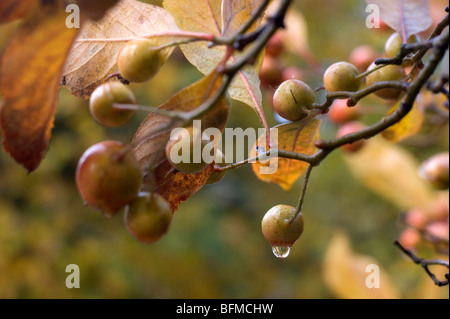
(391, 172)
(297, 137)
(407, 127)
(221, 19)
(11, 10)
(154, 132)
(30, 72)
(407, 17)
(93, 57)
(349, 275)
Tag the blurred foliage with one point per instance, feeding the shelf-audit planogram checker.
(215, 248)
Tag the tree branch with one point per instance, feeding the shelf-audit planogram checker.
(425, 263)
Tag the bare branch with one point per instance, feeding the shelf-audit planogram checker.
(425, 263)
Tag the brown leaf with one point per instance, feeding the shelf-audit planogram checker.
(30, 72)
(298, 137)
(90, 62)
(215, 17)
(11, 10)
(152, 136)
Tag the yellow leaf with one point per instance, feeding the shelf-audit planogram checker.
(215, 17)
(391, 172)
(299, 137)
(408, 126)
(349, 275)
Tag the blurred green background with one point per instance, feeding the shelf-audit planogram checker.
(215, 248)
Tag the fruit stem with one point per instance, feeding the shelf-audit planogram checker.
(364, 74)
(299, 208)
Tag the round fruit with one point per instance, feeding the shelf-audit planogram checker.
(148, 217)
(271, 73)
(439, 207)
(416, 217)
(278, 227)
(409, 238)
(293, 99)
(275, 46)
(438, 229)
(362, 56)
(101, 104)
(386, 73)
(139, 61)
(394, 44)
(349, 128)
(220, 162)
(185, 150)
(96, 9)
(108, 177)
(341, 76)
(340, 113)
(436, 170)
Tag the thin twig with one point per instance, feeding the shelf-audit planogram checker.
(299, 208)
(425, 263)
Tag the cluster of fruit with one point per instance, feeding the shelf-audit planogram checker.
(108, 176)
(432, 222)
(294, 100)
(110, 179)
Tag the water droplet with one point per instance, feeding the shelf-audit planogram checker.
(281, 251)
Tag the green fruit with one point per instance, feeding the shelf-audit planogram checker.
(148, 217)
(386, 73)
(108, 177)
(139, 61)
(185, 150)
(219, 161)
(342, 76)
(101, 104)
(435, 170)
(278, 227)
(293, 99)
(394, 43)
